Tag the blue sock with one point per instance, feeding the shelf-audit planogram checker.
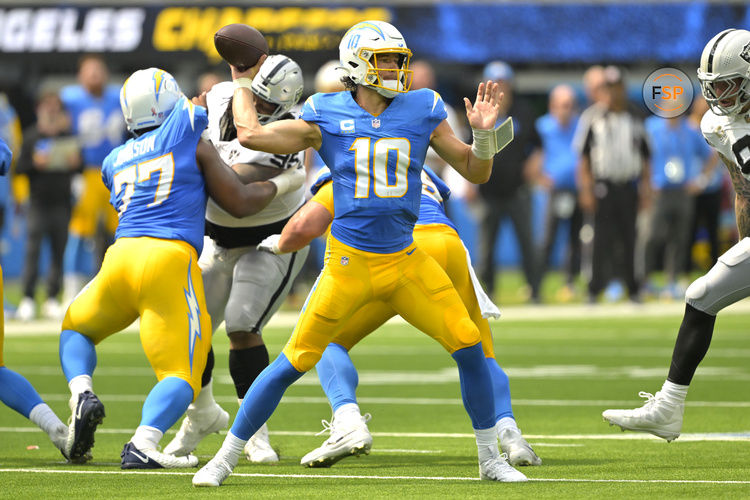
(77, 354)
(337, 376)
(476, 386)
(501, 388)
(17, 392)
(166, 403)
(263, 397)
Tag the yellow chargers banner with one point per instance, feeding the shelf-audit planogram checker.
(286, 29)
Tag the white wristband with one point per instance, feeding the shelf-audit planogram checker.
(289, 180)
(487, 143)
(243, 82)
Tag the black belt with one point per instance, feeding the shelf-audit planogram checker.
(234, 237)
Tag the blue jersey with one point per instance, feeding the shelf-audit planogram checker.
(376, 164)
(5, 157)
(431, 207)
(674, 148)
(97, 121)
(560, 158)
(155, 183)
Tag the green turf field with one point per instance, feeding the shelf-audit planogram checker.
(565, 368)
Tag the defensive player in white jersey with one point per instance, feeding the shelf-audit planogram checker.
(245, 287)
(724, 75)
(374, 139)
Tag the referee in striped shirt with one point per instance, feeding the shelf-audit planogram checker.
(614, 181)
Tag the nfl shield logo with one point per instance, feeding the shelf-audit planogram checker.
(375, 123)
(344, 261)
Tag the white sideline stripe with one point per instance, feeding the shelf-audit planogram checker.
(629, 436)
(135, 398)
(535, 313)
(407, 478)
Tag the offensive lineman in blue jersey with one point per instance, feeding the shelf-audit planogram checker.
(159, 184)
(15, 390)
(374, 140)
(436, 235)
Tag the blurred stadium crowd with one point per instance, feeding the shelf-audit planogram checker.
(623, 203)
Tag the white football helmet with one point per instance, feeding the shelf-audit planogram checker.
(279, 81)
(724, 72)
(147, 97)
(359, 51)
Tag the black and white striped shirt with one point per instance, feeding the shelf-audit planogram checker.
(615, 143)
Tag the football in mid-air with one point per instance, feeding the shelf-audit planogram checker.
(240, 45)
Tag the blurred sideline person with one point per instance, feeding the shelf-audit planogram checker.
(706, 211)
(724, 75)
(371, 254)
(160, 181)
(508, 192)
(436, 235)
(558, 177)
(207, 81)
(614, 182)
(245, 287)
(50, 156)
(675, 145)
(11, 186)
(15, 391)
(94, 108)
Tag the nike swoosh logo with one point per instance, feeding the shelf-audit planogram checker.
(139, 457)
(412, 251)
(78, 410)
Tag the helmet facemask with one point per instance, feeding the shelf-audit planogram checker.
(731, 96)
(398, 79)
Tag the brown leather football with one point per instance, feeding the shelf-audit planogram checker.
(240, 45)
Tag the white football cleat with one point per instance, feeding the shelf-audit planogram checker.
(518, 450)
(258, 448)
(52, 309)
(349, 437)
(195, 426)
(215, 471)
(497, 468)
(134, 458)
(658, 417)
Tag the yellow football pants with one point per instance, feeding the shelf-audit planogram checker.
(409, 281)
(92, 206)
(442, 244)
(160, 282)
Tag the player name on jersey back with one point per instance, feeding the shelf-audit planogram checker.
(135, 148)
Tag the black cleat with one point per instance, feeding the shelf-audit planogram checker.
(88, 414)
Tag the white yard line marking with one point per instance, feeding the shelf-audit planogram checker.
(401, 478)
(626, 436)
(398, 450)
(603, 403)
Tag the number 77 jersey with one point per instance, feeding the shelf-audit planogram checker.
(375, 162)
(155, 183)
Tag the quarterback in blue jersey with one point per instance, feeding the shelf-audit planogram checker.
(159, 183)
(15, 390)
(374, 139)
(435, 234)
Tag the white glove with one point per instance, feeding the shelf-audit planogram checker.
(289, 180)
(270, 244)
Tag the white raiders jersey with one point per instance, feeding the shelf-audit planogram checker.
(232, 152)
(730, 136)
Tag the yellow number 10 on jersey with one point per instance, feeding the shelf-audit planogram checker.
(141, 172)
(381, 149)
